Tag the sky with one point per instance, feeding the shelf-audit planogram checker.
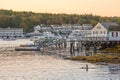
(95, 7)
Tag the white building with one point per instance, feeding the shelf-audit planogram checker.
(114, 33)
(76, 27)
(35, 33)
(86, 32)
(76, 34)
(87, 26)
(81, 35)
(11, 32)
(81, 32)
(37, 29)
(86, 35)
(101, 31)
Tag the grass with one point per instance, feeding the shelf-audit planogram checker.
(113, 49)
(107, 58)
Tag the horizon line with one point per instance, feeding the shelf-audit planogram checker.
(58, 13)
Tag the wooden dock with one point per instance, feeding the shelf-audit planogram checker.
(76, 47)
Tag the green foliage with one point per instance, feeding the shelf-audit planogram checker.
(28, 20)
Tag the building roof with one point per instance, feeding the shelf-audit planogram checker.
(76, 25)
(107, 24)
(114, 28)
(87, 25)
(11, 28)
(33, 34)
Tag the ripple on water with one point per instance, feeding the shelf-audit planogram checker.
(30, 67)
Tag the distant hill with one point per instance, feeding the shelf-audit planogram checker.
(28, 20)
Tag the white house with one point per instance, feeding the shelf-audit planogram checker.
(37, 29)
(102, 31)
(35, 33)
(87, 26)
(81, 35)
(46, 28)
(76, 34)
(86, 35)
(76, 27)
(99, 32)
(81, 32)
(11, 32)
(114, 33)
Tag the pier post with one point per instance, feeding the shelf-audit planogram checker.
(95, 49)
(78, 47)
(65, 44)
(72, 48)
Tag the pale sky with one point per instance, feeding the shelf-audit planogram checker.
(96, 7)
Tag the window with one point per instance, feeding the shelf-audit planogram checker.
(116, 34)
(104, 32)
(96, 32)
(98, 27)
(112, 34)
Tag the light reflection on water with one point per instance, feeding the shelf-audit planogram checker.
(45, 67)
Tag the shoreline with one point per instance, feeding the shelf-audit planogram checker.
(64, 53)
(99, 58)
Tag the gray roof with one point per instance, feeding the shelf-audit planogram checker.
(114, 28)
(107, 24)
(11, 28)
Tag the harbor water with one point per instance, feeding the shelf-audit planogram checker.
(44, 67)
(36, 66)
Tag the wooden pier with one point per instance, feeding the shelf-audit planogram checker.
(76, 47)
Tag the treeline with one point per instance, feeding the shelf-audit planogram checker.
(28, 20)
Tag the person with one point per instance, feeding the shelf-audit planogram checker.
(86, 67)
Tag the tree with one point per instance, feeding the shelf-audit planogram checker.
(27, 20)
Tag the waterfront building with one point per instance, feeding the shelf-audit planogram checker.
(45, 28)
(86, 32)
(81, 32)
(11, 32)
(86, 35)
(76, 34)
(77, 27)
(99, 32)
(87, 26)
(102, 31)
(114, 33)
(35, 33)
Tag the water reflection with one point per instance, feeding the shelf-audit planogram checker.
(114, 69)
(44, 67)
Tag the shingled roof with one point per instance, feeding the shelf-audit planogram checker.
(108, 24)
(114, 28)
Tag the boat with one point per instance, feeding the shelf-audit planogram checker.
(27, 49)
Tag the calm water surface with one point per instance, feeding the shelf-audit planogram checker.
(44, 67)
